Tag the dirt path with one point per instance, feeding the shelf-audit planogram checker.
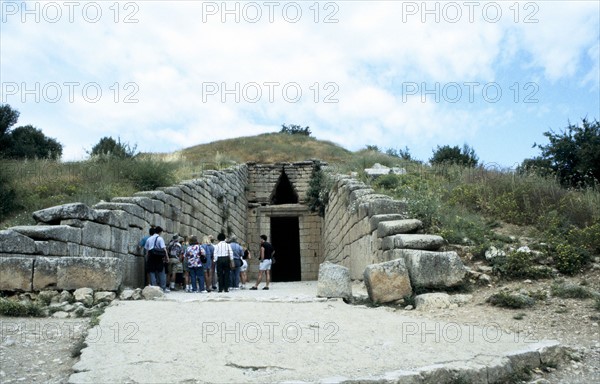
(286, 334)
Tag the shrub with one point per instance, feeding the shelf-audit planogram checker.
(569, 259)
(508, 300)
(148, 174)
(570, 291)
(17, 309)
(389, 182)
(518, 264)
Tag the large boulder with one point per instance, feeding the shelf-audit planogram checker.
(84, 295)
(15, 273)
(429, 269)
(152, 292)
(387, 282)
(14, 242)
(54, 215)
(334, 281)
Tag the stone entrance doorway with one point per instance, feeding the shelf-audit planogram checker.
(285, 236)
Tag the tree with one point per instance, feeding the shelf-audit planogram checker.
(455, 155)
(573, 154)
(295, 130)
(8, 118)
(404, 154)
(109, 147)
(25, 142)
(29, 142)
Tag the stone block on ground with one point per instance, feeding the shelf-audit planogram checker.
(15, 242)
(395, 227)
(54, 215)
(15, 273)
(429, 269)
(104, 297)
(334, 281)
(152, 292)
(84, 295)
(413, 241)
(387, 282)
(428, 301)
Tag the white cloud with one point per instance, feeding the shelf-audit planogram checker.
(171, 56)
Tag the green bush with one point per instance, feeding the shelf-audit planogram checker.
(569, 259)
(520, 265)
(17, 309)
(570, 291)
(509, 300)
(148, 174)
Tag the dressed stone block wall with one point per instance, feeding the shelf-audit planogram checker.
(76, 246)
(263, 178)
(350, 224)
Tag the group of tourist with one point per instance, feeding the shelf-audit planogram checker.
(186, 264)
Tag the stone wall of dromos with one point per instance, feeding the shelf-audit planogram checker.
(350, 228)
(77, 246)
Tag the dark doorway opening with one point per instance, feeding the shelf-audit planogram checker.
(284, 192)
(285, 237)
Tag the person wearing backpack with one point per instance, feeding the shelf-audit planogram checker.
(157, 253)
(175, 250)
(195, 254)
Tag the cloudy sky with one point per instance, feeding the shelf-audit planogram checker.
(166, 75)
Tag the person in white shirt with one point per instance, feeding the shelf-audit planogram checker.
(223, 257)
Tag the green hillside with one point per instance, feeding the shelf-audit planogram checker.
(267, 148)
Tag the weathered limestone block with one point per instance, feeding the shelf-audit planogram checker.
(382, 206)
(114, 218)
(133, 209)
(52, 248)
(44, 273)
(334, 281)
(119, 240)
(375, 220)
(428, 301)
(142, 201)
(84, 295)
(96, 235)
(63, 233)
(104, 297)
(15, 272)
(155, 195)
(85, 251)
(64, 212)
(14, 242)
(104, 273)
(133, 270)
(390, 228)
(412, 241)
(387, 282)
(152, 292)
(429, 269)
